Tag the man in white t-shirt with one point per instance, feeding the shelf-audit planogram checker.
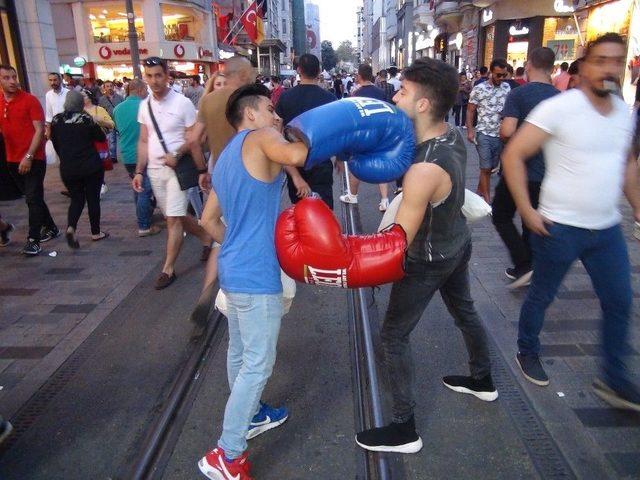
(393, 78)
(586, 136)
(175, 116)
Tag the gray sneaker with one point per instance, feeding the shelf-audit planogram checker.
(531, 368)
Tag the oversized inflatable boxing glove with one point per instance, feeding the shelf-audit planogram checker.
(311, 248)
(376, 137)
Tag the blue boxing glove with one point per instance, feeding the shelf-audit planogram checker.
(375, 137)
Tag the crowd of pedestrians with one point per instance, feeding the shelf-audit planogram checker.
(564, 145)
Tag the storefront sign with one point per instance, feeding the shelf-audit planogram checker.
(106, 52)
(564, 49)
(487, 15)
(560, 6)
(178, 50)
(203, 52)
(79, 61)
(515, 30)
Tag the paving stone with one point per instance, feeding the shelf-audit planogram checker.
(625, 463)
(561, 350)
(24, 352)
(63, 271)
(134, 253)
(84, 308)
(607, 417)
(17, 292)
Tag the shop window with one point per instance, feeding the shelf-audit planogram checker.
(284, 26)
(109, 22)
(182, 24)
(561, 35)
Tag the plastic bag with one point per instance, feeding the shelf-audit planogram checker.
(474, 208)
(50, 153)
(288, 294)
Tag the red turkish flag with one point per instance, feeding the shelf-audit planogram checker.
(252, 23)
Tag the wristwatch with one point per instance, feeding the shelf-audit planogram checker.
(29, 156)
(174, 154)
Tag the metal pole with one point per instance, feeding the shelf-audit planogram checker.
(133, 39)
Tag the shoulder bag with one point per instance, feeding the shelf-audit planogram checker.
(186, 169)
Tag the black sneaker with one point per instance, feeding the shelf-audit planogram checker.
(531, 368)
(627, 399)
(5, 429)
(482, 388)
(5, 235)
(49, 234)
(395, 437)
(520, 278)
(31, 248)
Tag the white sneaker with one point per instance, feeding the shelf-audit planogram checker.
(349, 198)
(103, 189)
(383, 205)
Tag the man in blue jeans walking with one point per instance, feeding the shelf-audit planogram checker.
(125, 115)
(247, 182)
(586, 135)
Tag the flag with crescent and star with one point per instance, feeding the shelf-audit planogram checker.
(252, 21)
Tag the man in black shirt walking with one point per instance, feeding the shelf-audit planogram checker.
(305, 96)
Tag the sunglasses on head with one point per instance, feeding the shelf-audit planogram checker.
(154, 62)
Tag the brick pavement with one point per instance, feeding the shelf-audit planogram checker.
(50, 305)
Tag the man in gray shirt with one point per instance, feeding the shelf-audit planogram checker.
(108, 101)
(194, 91)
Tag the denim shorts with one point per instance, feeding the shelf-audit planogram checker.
(489, 150)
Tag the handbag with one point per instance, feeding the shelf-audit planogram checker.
(186, 169)
(103, 152)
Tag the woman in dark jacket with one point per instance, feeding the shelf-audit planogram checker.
(74, 133)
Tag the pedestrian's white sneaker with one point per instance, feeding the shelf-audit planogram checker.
(384, 204)
(349, 198)
(103, 189)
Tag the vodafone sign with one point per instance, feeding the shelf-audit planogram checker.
(106, 53)
(203, 52)
(178, 50)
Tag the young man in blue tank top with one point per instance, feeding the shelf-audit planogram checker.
(247, 182)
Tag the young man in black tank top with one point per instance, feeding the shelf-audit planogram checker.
(438, 254)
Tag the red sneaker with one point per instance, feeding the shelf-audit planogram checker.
(215, 467)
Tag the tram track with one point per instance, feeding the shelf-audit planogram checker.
(157, 448)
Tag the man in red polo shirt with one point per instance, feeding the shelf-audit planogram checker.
(22, 125)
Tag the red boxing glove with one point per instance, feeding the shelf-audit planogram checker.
(312, 249)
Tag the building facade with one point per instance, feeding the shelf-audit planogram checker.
(92, 36)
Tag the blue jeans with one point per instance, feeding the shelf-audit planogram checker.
(112, 139)
(195, 200)
(254, 325)
(604, 255)
(144, 207)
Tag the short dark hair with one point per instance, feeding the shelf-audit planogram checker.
(609, 37)
(393, 71)
(574, 68)
(309, 65)
(156, 62)
(243, 97)
(56, 74)
(382, 72)
(6, 66)
(519, 71)
(109, 81)
(510, 69)
(276, 79)
(483, 70)
(542, 58)
(498, 63)
(564, 66)
(439, 82)
(366, 72)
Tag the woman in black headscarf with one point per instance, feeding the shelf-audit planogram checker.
(74, 134)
